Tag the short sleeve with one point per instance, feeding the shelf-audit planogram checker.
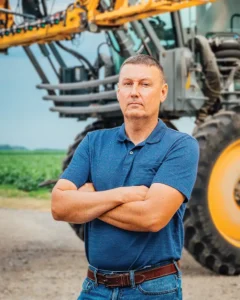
(79, 168)
(179, 169)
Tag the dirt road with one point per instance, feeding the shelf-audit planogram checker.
(43, 259)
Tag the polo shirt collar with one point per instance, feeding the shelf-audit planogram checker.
(154, 137)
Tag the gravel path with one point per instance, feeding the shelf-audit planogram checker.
(43, 259)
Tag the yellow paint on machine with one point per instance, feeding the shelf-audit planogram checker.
(85, 12)
(224, 180)
(188, 82)
(6, 20)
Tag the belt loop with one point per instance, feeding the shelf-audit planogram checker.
(176, 266)
(94, 270)
(95, 276)
(132, 278)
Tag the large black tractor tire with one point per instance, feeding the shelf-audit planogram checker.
(226, 45)
(79, 228)
(212, 218)
(228, 53)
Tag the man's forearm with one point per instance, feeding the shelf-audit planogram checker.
(80, 207)
(130, 216)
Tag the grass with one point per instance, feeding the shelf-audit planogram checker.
(9, 191)
(24, 170)
(11, 197)
(20, 174)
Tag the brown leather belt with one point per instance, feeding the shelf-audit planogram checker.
(123, 279)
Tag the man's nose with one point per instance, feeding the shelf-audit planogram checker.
(134, 90)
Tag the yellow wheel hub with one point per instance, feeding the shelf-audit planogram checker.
(224, 193)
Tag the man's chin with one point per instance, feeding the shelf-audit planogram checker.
(135, 115)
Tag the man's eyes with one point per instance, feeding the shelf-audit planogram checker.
(142, 83)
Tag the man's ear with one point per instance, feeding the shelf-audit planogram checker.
(164, 92)
(117, 92)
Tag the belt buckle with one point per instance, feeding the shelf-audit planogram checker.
(105, 280)
(120, 281)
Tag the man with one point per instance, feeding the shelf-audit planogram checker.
(130, 185)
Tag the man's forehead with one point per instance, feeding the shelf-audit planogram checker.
(136, 77)
(138, 71)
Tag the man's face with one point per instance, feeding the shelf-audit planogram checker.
(141, 89)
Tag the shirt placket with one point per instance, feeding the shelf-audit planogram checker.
(128, 161)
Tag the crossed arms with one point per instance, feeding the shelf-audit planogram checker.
(135, 208)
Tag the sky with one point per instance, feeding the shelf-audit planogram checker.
(25, 119)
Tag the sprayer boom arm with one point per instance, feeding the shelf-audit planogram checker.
(83, 15)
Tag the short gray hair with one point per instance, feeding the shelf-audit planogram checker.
(143, 59)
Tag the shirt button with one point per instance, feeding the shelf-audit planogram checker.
(131, 152)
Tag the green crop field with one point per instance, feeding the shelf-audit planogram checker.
(24, 170)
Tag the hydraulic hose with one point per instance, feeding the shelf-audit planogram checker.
(80, 57)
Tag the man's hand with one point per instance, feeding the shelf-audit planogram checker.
(133, 193)
(127, 193)
(80, 205)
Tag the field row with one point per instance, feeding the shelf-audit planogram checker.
(26, 169)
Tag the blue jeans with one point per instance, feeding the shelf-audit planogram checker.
(163, 288)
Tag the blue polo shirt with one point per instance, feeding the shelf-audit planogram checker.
(109, 159)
